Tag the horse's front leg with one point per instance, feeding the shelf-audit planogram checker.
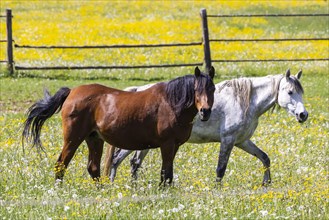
(168, 153)
(252, 149)
(224, 154)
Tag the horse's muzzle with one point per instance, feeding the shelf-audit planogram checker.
(302, 117)
(204, 114)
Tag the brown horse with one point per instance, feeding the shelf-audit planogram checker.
(160, 116)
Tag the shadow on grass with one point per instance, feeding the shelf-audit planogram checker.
(75, 77)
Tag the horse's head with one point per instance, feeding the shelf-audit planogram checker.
(290, 96)
(204, 92)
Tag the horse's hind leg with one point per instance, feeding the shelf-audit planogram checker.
(136, 161)
(118, 156)
(108, 159)
(252, 149)
(95, 146)
(71, 144)
(75, 130)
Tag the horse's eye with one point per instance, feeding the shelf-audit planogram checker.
(290, 92)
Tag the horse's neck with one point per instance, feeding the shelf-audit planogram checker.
(264, 93)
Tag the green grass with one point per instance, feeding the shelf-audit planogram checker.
(298, 152)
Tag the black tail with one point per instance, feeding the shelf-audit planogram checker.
(39, 112)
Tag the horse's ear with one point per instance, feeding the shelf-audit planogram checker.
(299, 74)
(288, 74)
(197, 72)
(212, 72)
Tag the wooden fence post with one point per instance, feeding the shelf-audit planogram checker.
(206, 44)
(10, 57)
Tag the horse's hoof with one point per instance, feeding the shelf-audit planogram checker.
(266, 183)
(218, 180)
(218, 183)
(134, 176)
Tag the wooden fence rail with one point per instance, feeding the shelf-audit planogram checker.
(111, 46)
(266, 15)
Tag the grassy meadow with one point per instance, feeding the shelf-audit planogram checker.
(299, 152)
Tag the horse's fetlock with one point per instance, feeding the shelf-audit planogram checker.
(59, 170)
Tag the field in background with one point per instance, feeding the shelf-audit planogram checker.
(76, 23)
(299, 153)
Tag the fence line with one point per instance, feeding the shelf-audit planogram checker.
(111, 46)
(205, 42)
(105, 67)
(269, 39)
(267, 15)
(270, 60)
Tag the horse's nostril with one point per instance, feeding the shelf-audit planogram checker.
(303, 115)
(205, 114)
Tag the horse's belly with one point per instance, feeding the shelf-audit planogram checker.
(204, 134)
(133, 141)
(138, 147)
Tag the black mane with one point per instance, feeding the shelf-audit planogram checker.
(180, 91)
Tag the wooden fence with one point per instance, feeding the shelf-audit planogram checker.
(205, 42)
(9, 41)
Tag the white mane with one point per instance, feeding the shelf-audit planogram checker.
(243, 89)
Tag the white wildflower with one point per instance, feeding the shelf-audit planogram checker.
(51, 191)
(175, 210)
(180, 206)
(263, 212)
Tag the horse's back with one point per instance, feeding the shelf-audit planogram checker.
(118, 116)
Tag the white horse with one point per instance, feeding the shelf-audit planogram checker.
(237, 106)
